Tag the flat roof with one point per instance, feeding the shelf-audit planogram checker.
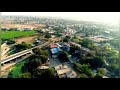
(54, 50)
(62, 71)
(43, 67)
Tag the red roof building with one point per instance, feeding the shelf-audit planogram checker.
(53, 45)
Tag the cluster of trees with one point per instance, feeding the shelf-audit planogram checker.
(94, 61)
(86, 72)
(58, 34)
(22, 46)
(89, 29)
(113, 70)
(39, 51)
(63, 56)
(31, 69)
(40, 31)
(73, 48)
(87, 43)
(34, 62)
(8, 41)
(48, 36)
(45, 73)
(99, 57)
(11, 29)
(66, 39)
(102, 56)
(76, 39)
(114, 42)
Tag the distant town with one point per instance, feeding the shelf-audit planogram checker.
(45, 47)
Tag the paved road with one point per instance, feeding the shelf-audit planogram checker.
(53, 61)
(6, 68)
(11, 57)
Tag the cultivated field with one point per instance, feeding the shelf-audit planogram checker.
(14, 34)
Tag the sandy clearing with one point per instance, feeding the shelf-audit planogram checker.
(22, 25)
(28, 39)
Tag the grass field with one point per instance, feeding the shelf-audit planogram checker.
(16, 69)
(14, 34)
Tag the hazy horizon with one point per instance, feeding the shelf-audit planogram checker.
(105, 17)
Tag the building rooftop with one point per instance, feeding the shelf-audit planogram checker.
(53, 46)
(43, 67)
(54, 50)
(64, 71)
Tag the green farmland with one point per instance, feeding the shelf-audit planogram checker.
(14, 34)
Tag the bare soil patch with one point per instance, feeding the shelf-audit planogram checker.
(28, 39)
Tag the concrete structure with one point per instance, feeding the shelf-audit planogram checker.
(27, 29)
(64, 72)
(19, 54)
(43, 67)
(54, 50)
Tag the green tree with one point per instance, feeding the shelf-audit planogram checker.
(10, 41)
(65, 40)
(48, 36)
(87, 43)
(68, 37)
(49, 73)
(98, 75)
(101, 71)
(86, 70)
(38, 51)
(73, 48)
(63, 56)
(31, 65)
(22, 46)
(43, 58)
(24, 75)
(83, 75)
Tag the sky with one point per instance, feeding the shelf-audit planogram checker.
(106, 17)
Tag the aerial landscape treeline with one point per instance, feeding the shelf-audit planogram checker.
(89, 49)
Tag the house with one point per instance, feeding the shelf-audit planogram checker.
(66, 47)
(53, 46)
(27, 29)
(58, 45)
(71, 74)
(64, 72)
(19, 29)
(70, 43)
(54, 50)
